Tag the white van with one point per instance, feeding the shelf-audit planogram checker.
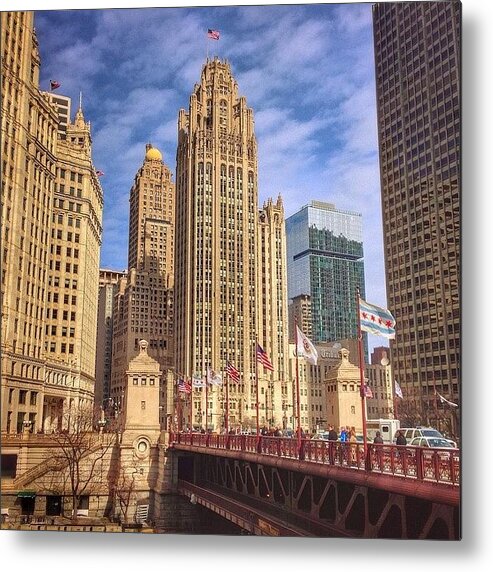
(387, 428)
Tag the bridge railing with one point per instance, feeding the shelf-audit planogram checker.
(424, 464)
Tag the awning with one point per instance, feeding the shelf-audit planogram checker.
(26, 494)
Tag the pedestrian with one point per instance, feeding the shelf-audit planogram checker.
(343, 435)
(401, 440)
(378, 438)
(332, 433)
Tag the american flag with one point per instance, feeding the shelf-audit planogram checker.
(213, 34)
(184, 386)
(54, 84)
(263, 358)
(232, 372)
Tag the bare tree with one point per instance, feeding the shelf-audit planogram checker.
(124, 489)
(80, 455)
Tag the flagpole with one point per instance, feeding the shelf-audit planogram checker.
(256, 387)
(179, 413)
(207, 402)
(298, 408)
(435, 403)
(361, 371)
(175, 403)
(226, 423)
(191, 414)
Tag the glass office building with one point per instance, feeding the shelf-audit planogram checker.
(325, 261)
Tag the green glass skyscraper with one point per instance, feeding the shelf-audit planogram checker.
(325, 261)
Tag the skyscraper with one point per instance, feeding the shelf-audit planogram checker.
(143, 304)
(218, 262)
(73, 272)
(51, 230)
(272, 330)
(417, 59)
(325, 262)
(108, 285)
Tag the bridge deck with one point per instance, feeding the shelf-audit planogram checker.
(426, 473)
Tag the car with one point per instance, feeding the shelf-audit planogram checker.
(411, 433)
(432, 442)
(321, 436)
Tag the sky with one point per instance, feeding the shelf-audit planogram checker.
(307, 72)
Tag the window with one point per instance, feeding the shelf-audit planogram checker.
(22, 396)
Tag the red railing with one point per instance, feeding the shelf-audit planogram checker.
(424, 464)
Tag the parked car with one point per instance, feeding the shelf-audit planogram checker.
(432, 442)
(323, 436)
(410, 433)
(429, 444)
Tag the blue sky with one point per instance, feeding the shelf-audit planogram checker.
(306, 70)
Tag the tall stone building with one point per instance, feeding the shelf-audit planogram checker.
(108, 284)
(51, 233)
(217, 268)
(29, 127)
(143, 304)
(272, 313)
(417, 59)
(300, 311)
(73, 277)
(63, 106)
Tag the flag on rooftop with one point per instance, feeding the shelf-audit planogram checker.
(443, 400)
(398, 390)
(54, 84)
(99, 173)
(184, 386)
(263, 358)
(376, 320)
(232, 372)
(305, 348)
(213, 34)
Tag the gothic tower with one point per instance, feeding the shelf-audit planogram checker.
(216, 243)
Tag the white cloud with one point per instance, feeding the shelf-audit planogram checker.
(306, 70)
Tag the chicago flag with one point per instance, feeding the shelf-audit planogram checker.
(376, 320)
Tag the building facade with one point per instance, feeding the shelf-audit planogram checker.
(216, 279)
(108, 283)
(63, 106)
(325, 261)
(381, 381)
(417, 59)
(73, 274)
(272, 313)
(143, 304)
(48, 265)
(300, 311)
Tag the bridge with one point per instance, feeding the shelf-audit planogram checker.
(278, 487)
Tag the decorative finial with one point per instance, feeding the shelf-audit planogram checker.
(344, 353)
(143, 346)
